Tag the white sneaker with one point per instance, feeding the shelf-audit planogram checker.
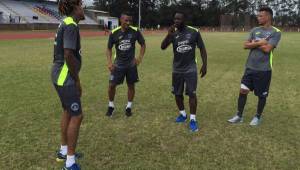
(255, 121)
(236, 119)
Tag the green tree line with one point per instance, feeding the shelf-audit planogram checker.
(201, 12)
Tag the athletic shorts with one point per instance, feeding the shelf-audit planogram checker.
(257, 81)
(189, 80)
(118, 75)
(70, 99)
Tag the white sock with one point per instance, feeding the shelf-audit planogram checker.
(183, 113)
(70, 160)
(63, 149)
(111, 104)
(193, 117)
(129, 105)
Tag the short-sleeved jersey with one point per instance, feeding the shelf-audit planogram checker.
(67, 37)
(184, 45)
(257, 59)
(125, 45)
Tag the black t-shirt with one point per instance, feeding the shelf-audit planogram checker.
(125, 45)
(67, 37)
(184, 44)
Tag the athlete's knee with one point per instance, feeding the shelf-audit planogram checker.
(112, 86)
(179, 97)
(192, 95)
(79, 116)
(244, 91)
(261, 98)
(130, 86)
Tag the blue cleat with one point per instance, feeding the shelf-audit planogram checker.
(181, 119)
(73, 167)
(193, 126)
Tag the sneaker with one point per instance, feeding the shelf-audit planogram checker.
(73, 167)
(61, 158)
(255, 121)
(110, 111)
(128, 112)
(193, 126)
(181, 118)
(236, 119)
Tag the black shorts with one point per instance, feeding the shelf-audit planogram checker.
(257, 81)
(190, 81)
(118, 75)
(70, 99)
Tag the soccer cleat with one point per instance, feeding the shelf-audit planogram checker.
(73, 167)
(193, 126)
(128, 112)
(61, 158)
(181, 118)
(236, 119)
(255, 121)
(110, 111)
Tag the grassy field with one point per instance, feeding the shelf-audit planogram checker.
(30, 111)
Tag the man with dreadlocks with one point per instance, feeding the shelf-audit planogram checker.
(65, 77)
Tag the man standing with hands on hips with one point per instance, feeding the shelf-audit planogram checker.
(125, 63)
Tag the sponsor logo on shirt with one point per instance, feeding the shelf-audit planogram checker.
(124, 45)
(183, 47)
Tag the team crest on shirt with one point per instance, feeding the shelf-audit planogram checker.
(188, 36)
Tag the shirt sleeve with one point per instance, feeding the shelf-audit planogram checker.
(200, 43)
(251, 37)
(140, 38)
(274, 39)
(70, 37)
(110, 43)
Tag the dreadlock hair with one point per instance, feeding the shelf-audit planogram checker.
(66, 7)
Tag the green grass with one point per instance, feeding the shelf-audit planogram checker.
(30, 111)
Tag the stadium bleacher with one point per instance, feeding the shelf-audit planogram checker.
(14, 11)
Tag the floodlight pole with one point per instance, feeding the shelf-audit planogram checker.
(140, 14)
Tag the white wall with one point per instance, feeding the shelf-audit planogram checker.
(115, 21)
